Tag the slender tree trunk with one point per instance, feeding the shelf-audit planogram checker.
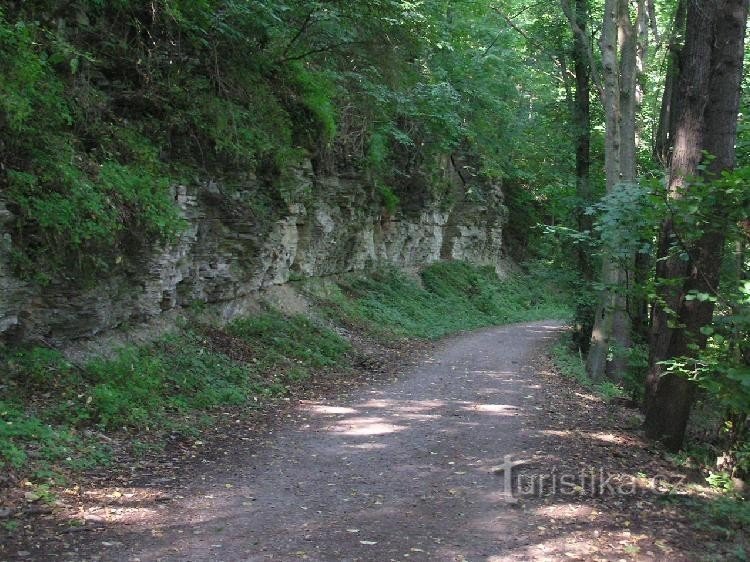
(707, 121)
(611, 98)
(604, 319)
(628, 93)
(616, 81)
(637, 299)
(582, 119)
(665, 128)
(629, 108)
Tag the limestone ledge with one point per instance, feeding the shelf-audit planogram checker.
(222, 260)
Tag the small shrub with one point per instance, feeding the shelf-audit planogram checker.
(721, 481)
(389, 198)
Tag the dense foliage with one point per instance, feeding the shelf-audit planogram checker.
(104, 106)
(661, 229)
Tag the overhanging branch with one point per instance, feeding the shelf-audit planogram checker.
(538, 44)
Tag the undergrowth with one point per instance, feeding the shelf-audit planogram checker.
(54, 410)
(452, 297)
(571, 365)
(726, 515)
(56, 415)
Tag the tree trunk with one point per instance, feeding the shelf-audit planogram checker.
(638, 302)
(604, 320)
(628, 99)
(637, 299)
(582, 121)
(612, 325)
(706, 121)
(665, 128)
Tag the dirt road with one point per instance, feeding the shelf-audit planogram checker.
(404, 471)
(408, 470)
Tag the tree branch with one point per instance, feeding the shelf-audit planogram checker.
(300, 31)
(317, 50)
(542, 48)
(573, 21)
(492, 44)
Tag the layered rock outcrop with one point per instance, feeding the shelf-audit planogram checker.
(222, 256)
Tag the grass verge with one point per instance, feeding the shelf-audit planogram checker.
(54, 413)
(452, 297)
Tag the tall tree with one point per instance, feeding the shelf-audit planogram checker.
(582, 124)
(548, 37)
(705, 123)
(622, 45)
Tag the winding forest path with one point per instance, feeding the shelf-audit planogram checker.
(407, 470)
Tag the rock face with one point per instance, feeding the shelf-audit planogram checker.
(223, 257)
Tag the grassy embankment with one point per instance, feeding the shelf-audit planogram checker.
(55, 416)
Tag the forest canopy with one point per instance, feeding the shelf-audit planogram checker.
(105, 105)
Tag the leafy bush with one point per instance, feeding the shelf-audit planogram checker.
(39, 368)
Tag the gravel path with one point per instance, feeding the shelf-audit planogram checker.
(404, 471)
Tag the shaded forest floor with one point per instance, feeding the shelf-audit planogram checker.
(397, 458)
